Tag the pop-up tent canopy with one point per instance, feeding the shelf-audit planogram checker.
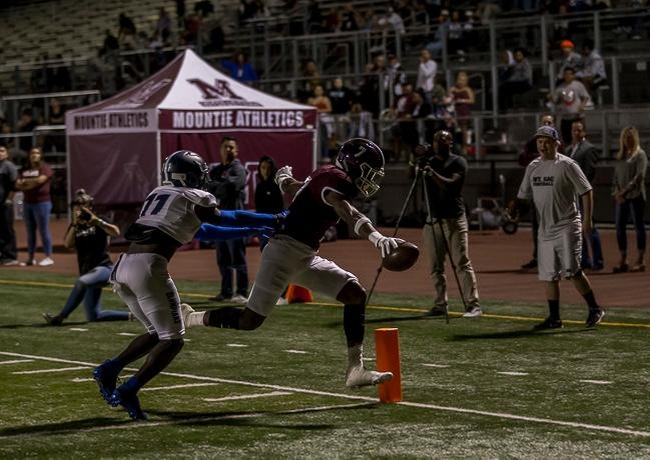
(116, 146)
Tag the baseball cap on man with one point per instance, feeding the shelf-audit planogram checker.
(547, 131)
(567, 44)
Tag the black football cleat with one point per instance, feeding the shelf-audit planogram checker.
(549, 323)
(595, 316)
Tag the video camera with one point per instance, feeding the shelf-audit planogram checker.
(422, 155)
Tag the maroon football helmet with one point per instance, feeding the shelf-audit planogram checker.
(363, 161)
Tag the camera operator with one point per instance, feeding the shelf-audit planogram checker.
(89, 236)
(446, 227)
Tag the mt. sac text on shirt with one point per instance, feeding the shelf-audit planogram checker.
(543, 181)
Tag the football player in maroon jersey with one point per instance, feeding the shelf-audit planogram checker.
(291, 256)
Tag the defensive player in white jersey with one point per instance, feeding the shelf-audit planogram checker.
(291, 256)
(170, 217)
(554, 182)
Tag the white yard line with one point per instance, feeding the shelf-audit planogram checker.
(297, 352)
(16, 361)
(597, 382)
(251, 396)
(56, 369)
(460, 410)
(127, 334)
(236, 345)
(78, 329)
(513, 373)
(80, 379)
(442, 366)
(174, 387)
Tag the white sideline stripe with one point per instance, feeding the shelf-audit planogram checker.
(236, 345)
(297, 352)
(518, 374)
(57, 369)
(442, 366)
(78, 329)
(127, 334)
(252, 396)
(597, 382)
(16, 361)
(610, 429)
(173, 387)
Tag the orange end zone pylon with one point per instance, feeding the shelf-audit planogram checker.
(388, 360)
(298, 294)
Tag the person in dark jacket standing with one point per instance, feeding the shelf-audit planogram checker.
(268, 197)
(8, 176)
(227, 184)
(584, 153)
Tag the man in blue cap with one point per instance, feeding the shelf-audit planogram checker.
(553, 182)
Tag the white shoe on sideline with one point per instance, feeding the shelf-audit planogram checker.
(358, 376)
(46, 262)
(473, 312)
(238, 298)
(186, 311)
(282, 301)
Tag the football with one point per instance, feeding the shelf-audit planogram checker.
(401, 258)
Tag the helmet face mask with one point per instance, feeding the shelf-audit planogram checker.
(185, 169)
(363, 161)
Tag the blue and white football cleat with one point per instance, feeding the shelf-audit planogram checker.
(106, 380)
(130, 402)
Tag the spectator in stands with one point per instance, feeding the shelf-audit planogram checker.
(314, 18)
(268, 197)
(126, 32)
(34, 181)
(593, 73)
(332, 21)
(8, 176)
(442, 104)
(570, 99)
(325, 129)
(463, 98)
(569, 59)
(163, 28)
(26, 124)
(60, 78)
(395, 76)
(585, 154)
(455, 35)
(435, 46)
(417, 127)
(212, 34)
(203, 8)
(310, 79)
(180, 14)
(488, 11)
(370, 85)
(341, 97)
(193, 23)
(630, 195)
(88, 234)
(426, 73)
(403, 112)
(55, 116)
(110, 42)
(349, 19)
(239, 68)
(393, 21)
(516, 78)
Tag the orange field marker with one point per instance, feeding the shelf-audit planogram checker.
(298, 294)
(388, 360)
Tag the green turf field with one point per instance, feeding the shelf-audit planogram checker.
(476, 388)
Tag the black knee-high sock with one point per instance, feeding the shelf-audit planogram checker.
(591, 300)
(139, 347)
(226, 317)
(354, 317)
(554, 309)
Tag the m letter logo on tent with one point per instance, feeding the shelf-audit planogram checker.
(220, 90)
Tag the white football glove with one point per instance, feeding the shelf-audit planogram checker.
(385, 244)
(284, 173)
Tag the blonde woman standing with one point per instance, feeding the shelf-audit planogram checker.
(630, 194)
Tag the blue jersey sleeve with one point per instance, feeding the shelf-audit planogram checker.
(209, 232)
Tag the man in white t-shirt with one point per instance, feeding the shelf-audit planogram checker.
(553, 181)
